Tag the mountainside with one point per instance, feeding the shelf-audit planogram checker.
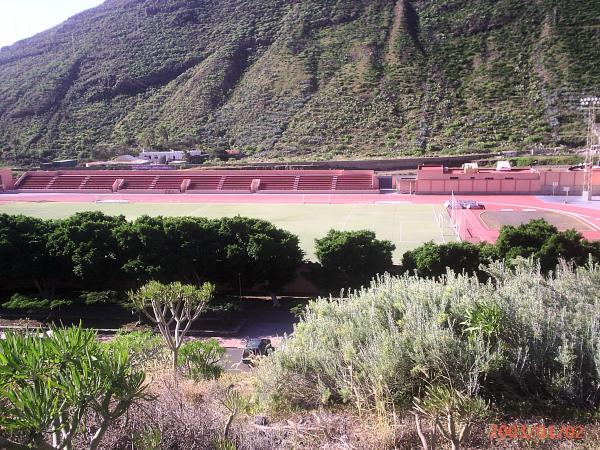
(303, 79)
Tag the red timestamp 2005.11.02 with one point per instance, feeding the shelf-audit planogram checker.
(537, 431)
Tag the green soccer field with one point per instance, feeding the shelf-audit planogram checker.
(405, 225)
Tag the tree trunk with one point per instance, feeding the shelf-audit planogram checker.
(228, 424)
(452, 432)
(175, 356)
(422, 436)
(97, 438)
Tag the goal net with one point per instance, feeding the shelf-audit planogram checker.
(456, 217)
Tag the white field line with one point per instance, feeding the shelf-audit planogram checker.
(481, 221)
(346, 221)
(391, 202)
(439, 224)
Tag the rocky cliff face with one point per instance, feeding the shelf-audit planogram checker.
(303, 79)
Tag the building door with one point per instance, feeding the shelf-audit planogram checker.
(385, 183)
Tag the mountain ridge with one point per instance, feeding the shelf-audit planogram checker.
(302, 79)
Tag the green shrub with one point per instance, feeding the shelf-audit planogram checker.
(34, 305)
(98, 297)
(537, 239)
(518, 337)
(432, 260)
(142, 347)
(199, 360)
(546, 243)
(561, 160)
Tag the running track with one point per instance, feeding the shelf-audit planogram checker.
(588, 212)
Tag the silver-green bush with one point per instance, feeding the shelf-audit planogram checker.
(520, 335)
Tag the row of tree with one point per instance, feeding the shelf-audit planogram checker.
(94, 251)
(537, 239)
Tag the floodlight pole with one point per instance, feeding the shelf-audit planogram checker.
(589, 104)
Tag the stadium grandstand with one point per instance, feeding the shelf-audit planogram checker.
(428, 179)
(271, 181)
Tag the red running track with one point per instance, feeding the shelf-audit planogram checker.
(588, 212)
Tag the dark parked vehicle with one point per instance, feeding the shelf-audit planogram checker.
(256, 347)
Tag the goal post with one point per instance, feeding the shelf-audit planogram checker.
(456, 218)
(441, 223)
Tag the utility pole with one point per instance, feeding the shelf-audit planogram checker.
(589, 104)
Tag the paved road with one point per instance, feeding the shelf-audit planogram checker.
(263, 324)
(231, 361)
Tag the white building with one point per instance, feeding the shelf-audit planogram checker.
(171, 155)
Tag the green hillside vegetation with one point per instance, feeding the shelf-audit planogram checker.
(311, 79)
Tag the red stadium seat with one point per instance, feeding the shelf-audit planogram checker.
(199, 181)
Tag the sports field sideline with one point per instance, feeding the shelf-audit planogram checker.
(406, 225)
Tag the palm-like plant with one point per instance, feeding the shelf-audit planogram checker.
(173, 308)
(452, 414)
(51, 384)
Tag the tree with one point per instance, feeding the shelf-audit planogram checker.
(352, 258)
(163, 135)
(568, 245)
(433, 260)
(148, 139)
(524, 240)
(542, 241)
(170, 304)
(258, 251)
(30, 305)
(87, 241)
(142, 243)
(53, 387)
(191, 246)
(169, 249)
(536, 239)
(24, 256)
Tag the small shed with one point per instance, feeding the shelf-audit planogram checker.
(503, 166)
